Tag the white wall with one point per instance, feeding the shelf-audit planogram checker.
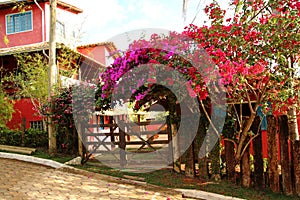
(72, 23)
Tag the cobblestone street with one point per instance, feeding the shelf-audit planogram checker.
(22, 180)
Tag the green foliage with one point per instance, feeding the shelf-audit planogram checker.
(70, 104)
(35, 138)
(167, 178)
(20, 6)
(10, 137)
(30, 79)
(32, 138)
(6, 108)
(67, 60)
(5, 40)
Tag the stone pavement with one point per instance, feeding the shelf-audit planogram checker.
(46, 179)
(23, 180)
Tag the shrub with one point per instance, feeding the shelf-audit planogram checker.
(36, 138)
(32, 138)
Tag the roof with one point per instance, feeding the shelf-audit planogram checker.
(39, 47)
(66, 6)
(24, 48)
(69, 7)
(109, 45)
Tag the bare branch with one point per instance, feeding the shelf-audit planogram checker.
(252, 89)
(230, 140)
(249, 102)
(209, 119)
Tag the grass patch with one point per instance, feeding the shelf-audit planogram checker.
(229, 189)
(167, 178)
(61, 158)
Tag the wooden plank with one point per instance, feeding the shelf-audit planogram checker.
(99, 125)
(133, 133)
(128, 124)
(128, 143)
(98, 142)
(146, 123)
(101, 134)
(142, 142)
(15, 149)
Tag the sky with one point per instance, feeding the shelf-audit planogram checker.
(105, 19)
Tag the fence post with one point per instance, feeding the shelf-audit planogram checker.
(111, 131)
(285, 155)
(170, 142)
(296, 157)
(273, 175)
(122, 146)
(80, 140)
(23, 131)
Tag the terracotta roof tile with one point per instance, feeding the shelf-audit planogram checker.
(71, 8)
(108, 44)
(39, 47)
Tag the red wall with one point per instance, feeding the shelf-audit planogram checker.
(23, 38)
(97, 53)
(23, 109)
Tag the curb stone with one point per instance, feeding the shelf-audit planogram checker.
(41, 161)
(196, 194)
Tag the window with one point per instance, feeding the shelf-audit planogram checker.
(36, 125)
(60, 29)
(19, 22)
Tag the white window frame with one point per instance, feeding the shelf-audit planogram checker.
(14, 14)
(36, 125)
(60, 29)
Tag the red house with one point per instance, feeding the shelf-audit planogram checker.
(24, 27)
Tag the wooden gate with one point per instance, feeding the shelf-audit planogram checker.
(141, 144)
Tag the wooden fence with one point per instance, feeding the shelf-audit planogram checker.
(132, 144)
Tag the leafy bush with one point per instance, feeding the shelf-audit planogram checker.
(35, 138)
(74, 101)
(32, 138)
(6, 108)
(10, 137)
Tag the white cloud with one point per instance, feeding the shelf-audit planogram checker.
(105, 19)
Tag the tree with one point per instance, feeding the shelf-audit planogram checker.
(252, 50)
(249, 53)
(52, 73)
(6, 108)
(30, 79)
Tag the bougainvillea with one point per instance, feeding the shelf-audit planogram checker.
(66, 114)
(254, 52)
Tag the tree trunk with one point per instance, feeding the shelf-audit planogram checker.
(203, 169)
(202, 161)
(244, 137)
(189, 163)
(293, 126)
(228, 133)
(176, 150)
(81, 138)
(245, 169)
(296, 156)
(230, 162)
(284, 155)
(215, 162)
(52, 74)
(258, 159)
(273, 174)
